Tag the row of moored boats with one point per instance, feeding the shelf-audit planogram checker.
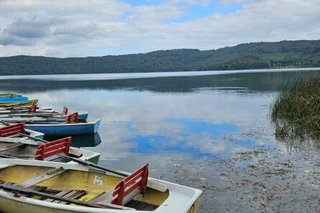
(37, 175)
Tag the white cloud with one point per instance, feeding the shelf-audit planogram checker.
(102, 27)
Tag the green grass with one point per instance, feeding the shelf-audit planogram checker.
(296, 111)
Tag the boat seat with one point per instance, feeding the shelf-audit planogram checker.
(59, 146)
(42, 177)
(126, 189)
(11, 130)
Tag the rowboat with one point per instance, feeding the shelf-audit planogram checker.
(46, 186)
(35, 111)
(64, 129)
(18, 103)
(11, 97)
(9, 94)
(21, 116)
(33, 148)
(57, 127)
(21, 108)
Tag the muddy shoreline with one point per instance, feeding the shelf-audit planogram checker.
(261, 180)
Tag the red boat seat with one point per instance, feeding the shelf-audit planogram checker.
(73, 118)
(11, 130)
(132, 185)
(126, 189)
(54, 147)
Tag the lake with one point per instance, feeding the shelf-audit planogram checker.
(211, 131)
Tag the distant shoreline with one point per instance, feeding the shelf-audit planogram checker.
(114, 76)
(253, 56)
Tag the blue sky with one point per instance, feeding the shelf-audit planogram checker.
(111, 27)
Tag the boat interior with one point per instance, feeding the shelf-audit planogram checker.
(75, 187)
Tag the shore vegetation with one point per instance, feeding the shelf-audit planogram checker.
(296, 111)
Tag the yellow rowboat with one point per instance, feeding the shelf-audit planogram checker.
(45, 186)
(19, 103)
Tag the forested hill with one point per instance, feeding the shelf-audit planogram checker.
(244, 56)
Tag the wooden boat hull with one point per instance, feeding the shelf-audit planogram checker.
(65, 129)
(173, 198)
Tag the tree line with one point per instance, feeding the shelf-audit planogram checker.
(260, 55)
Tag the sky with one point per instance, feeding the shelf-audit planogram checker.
(79, 28)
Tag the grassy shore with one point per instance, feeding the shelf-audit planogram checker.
(296, 111)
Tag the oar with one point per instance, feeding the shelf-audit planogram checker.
(28, 191)
(5, 156)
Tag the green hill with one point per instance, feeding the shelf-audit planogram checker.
(259, 55)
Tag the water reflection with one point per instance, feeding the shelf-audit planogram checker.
(196, 138)
(269, 81)
(198, 117)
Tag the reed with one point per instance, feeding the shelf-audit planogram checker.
(296, 110)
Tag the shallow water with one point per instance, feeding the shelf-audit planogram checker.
(211, 132)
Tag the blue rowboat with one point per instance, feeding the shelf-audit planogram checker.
(13, 99)
(65, 129)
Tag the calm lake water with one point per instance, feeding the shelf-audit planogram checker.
(191, 129)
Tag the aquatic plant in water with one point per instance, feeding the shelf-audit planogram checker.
(296, 110)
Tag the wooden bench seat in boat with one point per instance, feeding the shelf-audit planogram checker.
(59, 146)
(11, 130)
(42, 177)
(125, 190)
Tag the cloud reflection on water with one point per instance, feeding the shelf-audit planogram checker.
(205, 123)
(196, 138)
